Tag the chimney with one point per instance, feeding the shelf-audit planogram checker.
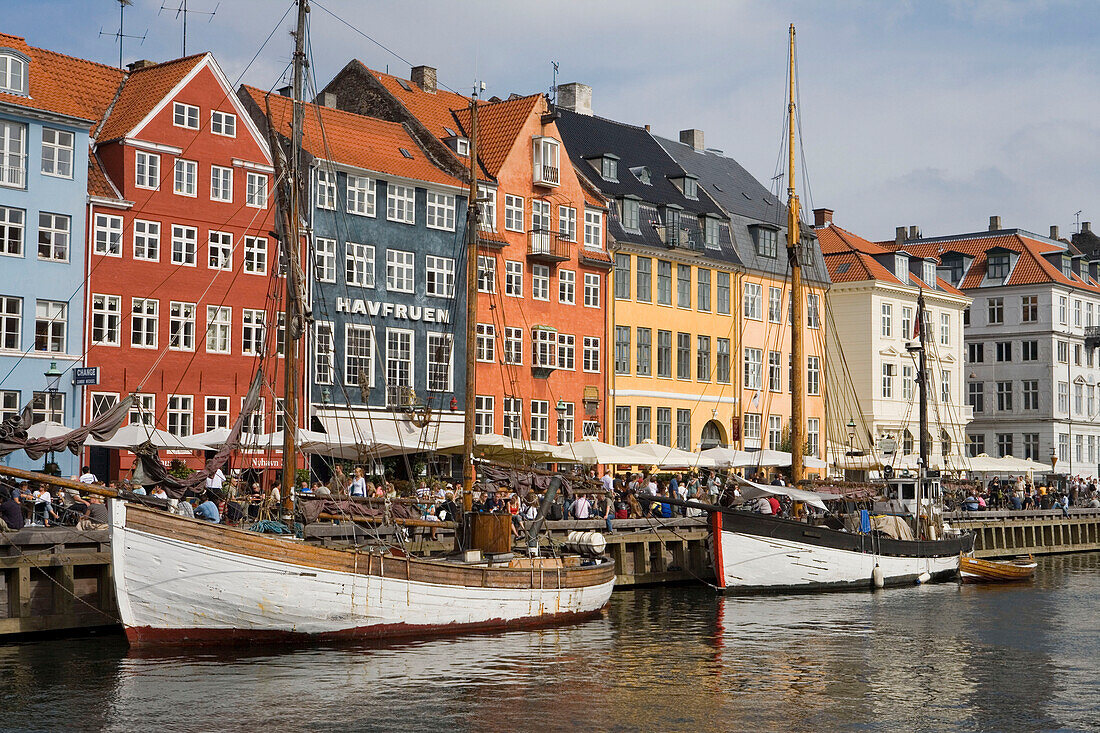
(647, 128)
(823, 217)
(424, 77)
(328, 99)
(1086, 226)
(694, 138)
(914, 232)
(575, 97)
(142, 64)
(994, 223)
(899, 235)
(1054, 231)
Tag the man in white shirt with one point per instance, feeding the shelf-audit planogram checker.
(216, 480)
(86, 476)
(607, 481)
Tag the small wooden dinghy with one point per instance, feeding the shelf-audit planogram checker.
(973, 570)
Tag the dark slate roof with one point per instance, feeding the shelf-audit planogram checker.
(1087, 243)
(746, 201)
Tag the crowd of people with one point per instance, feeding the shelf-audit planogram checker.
(1021, 492)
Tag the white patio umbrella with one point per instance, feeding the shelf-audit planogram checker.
(492, 444)
(669, 457)
(213, 439)
(1025, 464)
(135, 435)
(47, 429)
(307, 441)
(591, 451)
(723, 457)
(775, 459)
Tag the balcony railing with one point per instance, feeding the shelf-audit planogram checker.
(546, 175)
(11, 175)
(543, 244)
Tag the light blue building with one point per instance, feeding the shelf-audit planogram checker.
(49, 103)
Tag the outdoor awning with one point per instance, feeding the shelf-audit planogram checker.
(752, 490)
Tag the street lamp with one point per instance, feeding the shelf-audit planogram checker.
(561, 407)
(53, 384)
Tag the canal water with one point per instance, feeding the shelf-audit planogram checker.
(933, 658)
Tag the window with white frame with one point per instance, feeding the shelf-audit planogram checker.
(50, 318)
(143, 410)
(945, 329)
(146, 240)
(567, 344)
(439, 273)
(11, 322)
(775, 432)
(887, 319)
(255, 255)
(540, 216)
(326, 189)
(181, 326)
(254, 423)
(13, 74)
(566, 424)
(186, 175)
(221, 183)
(513, 213)
(775, 371)
(185, 115)
(513, 418)
(223, 123)
(13, 155)
(106, 320)
(754, 367)
(180, 413)
(567, 287)
(361, 200)
(591, 354)
(513, 278)
(184, 245)
(108, 235)
(400, 266)
(400, 203)
(593, 229)
(540, 421)
(57, 153)
(219, 320)
(888, 372)
(146, 170)
(53, 237)
(813, 319)
(441, 211)
(813, 375)
(513, 345)
(255, 192)
(567, 223)
(643, 365)
(483, 414)
(540, 282)
(813, 436)
(751, 305)
(217, 412)
(591, 290)
(252, 331)
(11, 231)
(102, 402)
(143, 323)
(486, 342)
(631, 213)
(546, 155)
(48, 406)
(359, 264)
(486, 274)
(399, 360)
(487, 208)
(324, 350)
(324, 259)
(544, 348)
(220, 251)
(358, 354)
(440, 361)
(710, 232)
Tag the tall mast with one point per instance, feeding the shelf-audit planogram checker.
(925, 435)
(798, 301)
(291, 313)
(471, 317)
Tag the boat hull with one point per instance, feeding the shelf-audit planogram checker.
(757, 553)
(185, 581)
(974, 570)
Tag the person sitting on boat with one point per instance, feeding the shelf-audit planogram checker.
(763, 506)
(777, 508)
(208, 510)
(491, 504)
(581, 507)
(11, 511)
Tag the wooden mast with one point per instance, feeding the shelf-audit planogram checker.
(471, 318)
(292, 326)
(798, 300)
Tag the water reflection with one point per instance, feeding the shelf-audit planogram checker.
(942, 657)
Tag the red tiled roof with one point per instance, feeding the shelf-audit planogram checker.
(498, 125)
(99, 183)
(142, 91)
(432, 109)
(597, 255)
(840, 247)
(363, 142)
(64, 84)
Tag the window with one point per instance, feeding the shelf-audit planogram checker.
(622, 426)
(147, 170)
(180, 414)
(1004, 351)
(108, 235)
(399, 270)
(722, 361)
(593, 229)
(683, 429)
(106, 320)
(544, 348)
(324, 259)
(57, 153)
(13, 74)
(672, 226)
(486, 342)
(513, 213)
(754, 368)
(977, 444)
(591, 290)
(1004, 396)
(223, 123)
(1029, 351)
(1063, 397)
(995, 310)
(907, 382)
(487, 208)
(567, 223)
(513, 278)
(540, 282)
(751, 305)
(591, 354)
(440, 275)
(255, 255)
(645, 280)
(775, 371)
(767, 243)
(441, 211)
(664, 354)
(664, 282)
(187, 172)
(813, 375)
(400, 203)
(703, 289)
(53, 237)
(812, 318)
(644, 358)
(11, 229)
(360, 195)
(513, 418)
(1077, 313)
(217, 413)
(1031, 446)
(609, 169)
(710, 232)
(906, 322)
(566, 350)
(702, 371)
(546, 160)
(975, 353)
(143, 410)
(255, 194)
(813, 436)
(775, 432)
(326, 189)
(220, 251)
(252, 336)
(221, 183)
(1004, 444)
(887, 319)
(218, 322)
(1031, 394)
(540, 420)
(359, 264)
(567, 286)
(976, 396)
(181, 326)
(486, 274)
(11, 322)
(399, 359)
(1063, 310)
(185, 115)
(683, 356)
(540, 217)
(945, 386)
(358, 355)
(48, 406)
(683, 286)
(101, 403)
(888, 372)
(513, 345)
(997, 267)
(723, 293)
(13, 158)
(49, 326)
(622, 276)
(1029, 308)
(184, 245)
(664, 426)
(642, 424)
(146, 240)
(622, 349)
(753, 425)
(1078, 399)
(1063, 352)
(566, 424)
(945, 329)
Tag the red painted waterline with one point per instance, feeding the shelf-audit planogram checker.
(147, 635)
(716, 548)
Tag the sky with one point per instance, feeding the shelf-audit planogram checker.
(935, 113)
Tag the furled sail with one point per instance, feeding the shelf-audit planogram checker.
(13, 432)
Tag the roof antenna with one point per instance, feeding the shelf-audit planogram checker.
(554, 85)
(1078, 215)
(119, 35)
(183, 11)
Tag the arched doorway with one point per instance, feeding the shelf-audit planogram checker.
(713, 435)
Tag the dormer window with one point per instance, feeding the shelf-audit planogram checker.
(630, 211)
(997, 269)
(766, 240)
(13, 73)
(609, 168)
(901, 267)
(462, 146)
(710, 232)
(672, 225)
(546, 152)
(642, 174)
(928, 273)
(1067, 266)
(688, 185)
(955, 269)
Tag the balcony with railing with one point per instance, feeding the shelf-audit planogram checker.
(14, 176)
(544, 245)
(546, 175)
(1092, 337)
